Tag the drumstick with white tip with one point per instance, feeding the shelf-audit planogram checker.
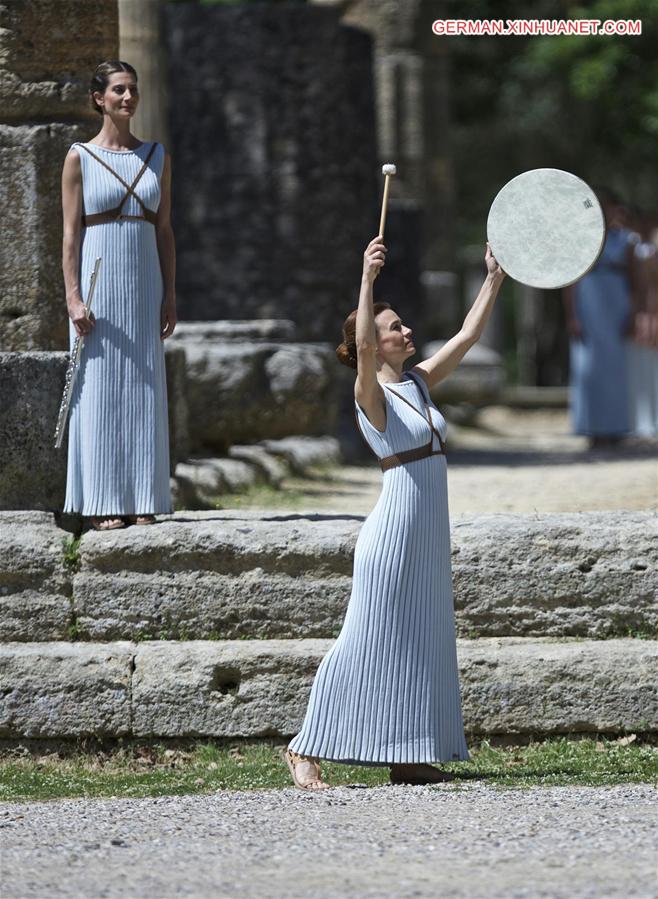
(388, 171)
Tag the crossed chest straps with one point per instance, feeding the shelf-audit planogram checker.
(420, 452)
(115, 215)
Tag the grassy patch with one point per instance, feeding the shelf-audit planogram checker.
(71, 554)
(157, 770)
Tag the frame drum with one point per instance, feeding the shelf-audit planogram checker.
(546, 228)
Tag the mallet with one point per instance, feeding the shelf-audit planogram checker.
(387, 171)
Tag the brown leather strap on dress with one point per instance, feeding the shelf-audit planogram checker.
(428, 414)
(419, 452)
(113, 215)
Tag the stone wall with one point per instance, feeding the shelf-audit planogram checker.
(48, 49)
(276, 183)
(213, 624)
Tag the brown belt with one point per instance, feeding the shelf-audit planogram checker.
(421, 452)
(115, 215)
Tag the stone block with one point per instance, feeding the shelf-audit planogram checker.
(35, 582)
(241, 392)
(251, 330)
(179, 430)
(203, 480)
(252, 574)
(254, 689)
(271, 469)
(32, 471)
(304, 453)
(532, 686)
(579, 574)
(65, 690)
(224, 689)
(48, 51)
(33, 312)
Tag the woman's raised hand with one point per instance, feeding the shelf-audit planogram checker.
(374, 258)
(492, 265)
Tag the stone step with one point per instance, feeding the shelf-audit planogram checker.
(257, 688)
(247, 574)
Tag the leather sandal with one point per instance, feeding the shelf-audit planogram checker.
(140, 519)
(419, 774)
(108, 523)
(314, 783)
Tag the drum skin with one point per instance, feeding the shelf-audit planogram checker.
(546, 228)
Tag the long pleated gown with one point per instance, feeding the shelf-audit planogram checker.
(599, 388)
(388, 689)
(118, 444)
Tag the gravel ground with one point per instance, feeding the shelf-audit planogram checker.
(469, 840)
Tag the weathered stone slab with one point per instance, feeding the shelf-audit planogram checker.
(32, 471)
(254, 604)
(252, 329)
(509, 686)
(216, 574)
(35, 584)
(526, 685)
(260, 688)
(33, 312)
(303, 453)
(224, 689)
(246, 574)
(582, 574)
(253, 574)
(201, 481)
(241, 392)
(272, 470)
(47, 54)
(65, 690)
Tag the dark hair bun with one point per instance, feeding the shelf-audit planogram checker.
(347, 354)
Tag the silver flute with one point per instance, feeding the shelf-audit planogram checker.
(74, 365)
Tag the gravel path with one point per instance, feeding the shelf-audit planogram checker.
(472, 840)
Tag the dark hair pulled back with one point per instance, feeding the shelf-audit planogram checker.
(101, 78)
(346, 351)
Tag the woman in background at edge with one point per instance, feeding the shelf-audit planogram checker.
(387, 692)
(116, 204)
(599, 316)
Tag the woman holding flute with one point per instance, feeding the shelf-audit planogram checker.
(116, 205)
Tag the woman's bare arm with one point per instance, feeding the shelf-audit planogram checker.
(448, 357)
(367, 389)
(72, 212)
(166, 253)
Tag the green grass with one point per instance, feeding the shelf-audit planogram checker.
(156, 770)
(71, 554)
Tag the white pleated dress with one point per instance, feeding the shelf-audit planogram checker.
(388, 689)
(118, 443)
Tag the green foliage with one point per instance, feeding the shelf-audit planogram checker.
(157, 770)
(588, 104)
(71, 554)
